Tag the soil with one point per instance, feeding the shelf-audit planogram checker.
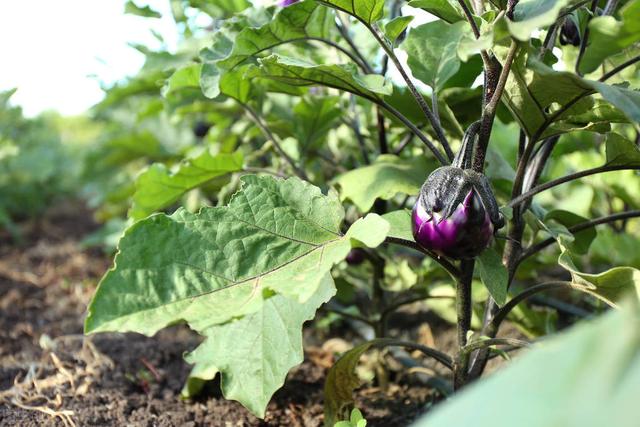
(50, 374)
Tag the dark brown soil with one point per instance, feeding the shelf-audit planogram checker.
(50, 374)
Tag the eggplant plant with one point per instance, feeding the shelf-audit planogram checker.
(359, 156)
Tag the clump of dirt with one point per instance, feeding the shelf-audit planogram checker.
(51, 373)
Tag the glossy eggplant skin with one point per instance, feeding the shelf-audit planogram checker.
(462, 235)
(285, 3)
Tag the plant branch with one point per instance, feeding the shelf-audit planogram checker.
(447, 265)
(270, 136)
(403, 143)
(422, 103)
(437, 355)
(438, 155)
(532, 250)
(492, 328)
(344, 32)
(489, 110)
(484, 343)
(463, 314)
(567, 178)
(619, 68)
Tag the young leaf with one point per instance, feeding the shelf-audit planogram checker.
(494, 275)
(344, 77)
(341, 381)
(530, 15)
(209, 268)
(255, 353)
(443, 9)
(158, 187)
(607, 36)
(432, 51)
(385, 178)
(611, 286)
(367, 11)
(582, 378)
(395, 27)
(582, 240)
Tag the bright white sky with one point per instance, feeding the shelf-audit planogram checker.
(57, 51)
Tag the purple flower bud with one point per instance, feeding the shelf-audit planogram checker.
(464, 234)
(285, 3)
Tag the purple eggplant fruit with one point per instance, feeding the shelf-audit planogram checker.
(285, 3)
(355, 256)
(456, 213)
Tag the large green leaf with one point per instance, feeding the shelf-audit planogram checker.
(158, 187)
(184, 77)
(608, 36)
(443, 9)
(208, 268)
(298, 22)
(367, 11)
(254, 353)
(587, 377)
(345, 77)
(432, 50)
(386, 177)
(530, 15)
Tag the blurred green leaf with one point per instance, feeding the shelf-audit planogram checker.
(145, 11)
(313, 118)
(184, 77)
(529, 15)
(582, 378)
(443, 9)
(608, 36)
(367, 11)
(436, 61)
(386, 177)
